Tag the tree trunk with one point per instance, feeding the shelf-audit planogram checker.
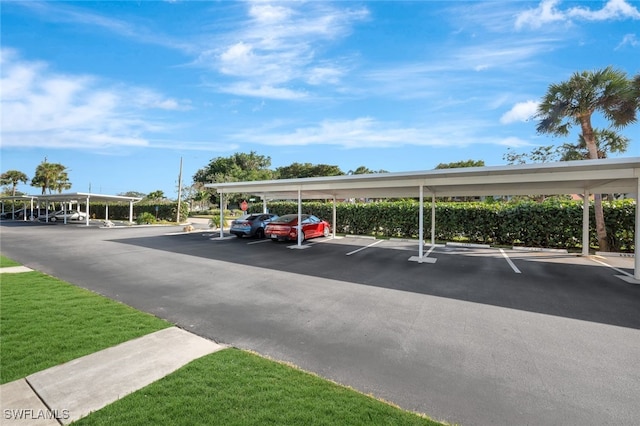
(601, 230)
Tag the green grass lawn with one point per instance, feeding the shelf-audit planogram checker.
(6, 262)
(234, 387)
(45, 322)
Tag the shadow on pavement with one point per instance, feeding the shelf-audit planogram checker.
(582, 292)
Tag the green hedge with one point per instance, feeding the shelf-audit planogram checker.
(554, 223)
(120, 211)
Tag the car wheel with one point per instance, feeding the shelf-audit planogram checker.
(260, 233)
(52, 219)
(302, 236)
(81, 218)
(326, 231)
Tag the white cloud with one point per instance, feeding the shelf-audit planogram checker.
(522, 111)
(447, 81)
(366, 132)
(614, 9)
(237, 59)
(499, 54)
(276, 45)
(66, 13)
(358, 133)
(268, 13)
(548, 12)
(545, 13)
(280, 46)
(514, 142)
(324, 74)
(149, 99)
(47, 109)
(629, 40)
(264, 91)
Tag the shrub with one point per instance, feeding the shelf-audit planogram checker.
(145, 217)
(553, 223)
(166, 211)
(214, 222)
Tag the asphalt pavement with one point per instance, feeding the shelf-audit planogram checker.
(465, 339)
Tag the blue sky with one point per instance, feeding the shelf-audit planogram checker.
(120, 91)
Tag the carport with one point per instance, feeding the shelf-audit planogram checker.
(606, 176)
(78, 198)
(18, 198)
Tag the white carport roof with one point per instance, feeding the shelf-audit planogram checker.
(619, 175)
(75, 197)
(72, 197)
(84, 196)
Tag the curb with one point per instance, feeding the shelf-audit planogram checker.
(468, 245)
(547, 250)
(614, 254)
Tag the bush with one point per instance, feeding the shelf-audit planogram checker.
(120, 211)
(214, 222)
(553, 223)
(145, 217)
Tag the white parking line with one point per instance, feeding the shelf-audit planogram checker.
(425, 257)
(362, 248)
(430, 250)
(612, 267)
(513, 266)
(260, 241)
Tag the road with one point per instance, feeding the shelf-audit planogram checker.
(466, 339)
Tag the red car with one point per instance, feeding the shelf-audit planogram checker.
(286, 228)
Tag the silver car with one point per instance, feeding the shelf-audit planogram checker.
(251, 225)
(70, 215)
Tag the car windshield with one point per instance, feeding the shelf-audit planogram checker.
(311, 219)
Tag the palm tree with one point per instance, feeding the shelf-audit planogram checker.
(607, 141)
(50, 176)
(62, 182)
(573, 102)
(200, 197)
(13, 177)
(156, 195)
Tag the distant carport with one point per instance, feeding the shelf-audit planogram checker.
(17, 199)
(606, 176)
(79, 197)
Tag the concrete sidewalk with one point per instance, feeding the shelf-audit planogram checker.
(70, 391)
(15, 270)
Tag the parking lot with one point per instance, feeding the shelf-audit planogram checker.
(475, 336)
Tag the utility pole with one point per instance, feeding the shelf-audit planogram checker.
(179, 191)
